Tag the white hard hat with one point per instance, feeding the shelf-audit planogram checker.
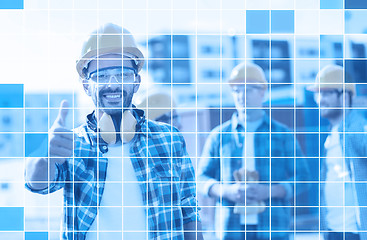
(247, 72)
(331, 77)
(109, 39)
(156, 104)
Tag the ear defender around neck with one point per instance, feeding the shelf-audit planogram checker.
(114, 128)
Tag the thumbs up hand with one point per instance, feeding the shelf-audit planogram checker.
(63, 112)
(60, 139)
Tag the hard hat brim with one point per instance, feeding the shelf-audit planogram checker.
(241, 81)
(317, 88)
(91, 55)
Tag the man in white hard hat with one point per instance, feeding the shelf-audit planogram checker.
(243, 165)
(344, 158)
(160, 107)
(123, 176)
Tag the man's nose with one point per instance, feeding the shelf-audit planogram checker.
(113, 82)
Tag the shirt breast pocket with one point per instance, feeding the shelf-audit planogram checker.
(166, 184)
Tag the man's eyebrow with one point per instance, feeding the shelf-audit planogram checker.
(106, 68)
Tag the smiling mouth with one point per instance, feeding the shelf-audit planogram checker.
(112, 96)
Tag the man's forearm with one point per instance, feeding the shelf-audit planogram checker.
(214, 191)
(219, 190)
(193, 231)
(278, 191)
(37, 173)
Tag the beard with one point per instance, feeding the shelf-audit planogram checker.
(330, 113)
(114, 107)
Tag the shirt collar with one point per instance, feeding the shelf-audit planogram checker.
(237, 124)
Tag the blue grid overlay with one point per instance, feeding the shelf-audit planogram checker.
(282, 37)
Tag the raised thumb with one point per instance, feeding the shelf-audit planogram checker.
(63, 112)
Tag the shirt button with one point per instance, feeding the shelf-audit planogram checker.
(104, 147)
(91, 215)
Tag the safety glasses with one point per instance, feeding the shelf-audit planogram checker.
(119, 74)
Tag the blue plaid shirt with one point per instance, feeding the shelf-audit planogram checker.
(162, 166)
(275, 149)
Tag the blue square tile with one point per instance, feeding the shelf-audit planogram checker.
(355, 71)
(257, 21)
(36, 145)
(11, 120)
(11, 4)
(331, 4)
(355, 4)
(355, 21)
(11, 95)
(36, 120)
(282, 21)
(36, 100)
(331, 46)
(11, 219)
(11, 145)
(260, 48)
(36, 236)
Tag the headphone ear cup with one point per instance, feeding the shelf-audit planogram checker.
(107, 129)
(128, 126)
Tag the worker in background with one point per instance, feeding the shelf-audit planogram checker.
(123, 176)
(160, 107)
(344, 165)
(248, 165)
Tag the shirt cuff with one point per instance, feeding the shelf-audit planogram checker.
(207, 186)
(51, 185)
(190, 210)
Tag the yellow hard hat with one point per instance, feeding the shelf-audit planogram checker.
(155, 104)
(109, 38)
(247, 72)
(331, 77)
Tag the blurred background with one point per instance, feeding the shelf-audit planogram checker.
(191, 47)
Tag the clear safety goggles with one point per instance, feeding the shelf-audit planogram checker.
(248, 88)
(326, 93)
(120, 74)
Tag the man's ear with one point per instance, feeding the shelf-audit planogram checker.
(264, 95)
(137, 83)
(262, 92)
(86, 87)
